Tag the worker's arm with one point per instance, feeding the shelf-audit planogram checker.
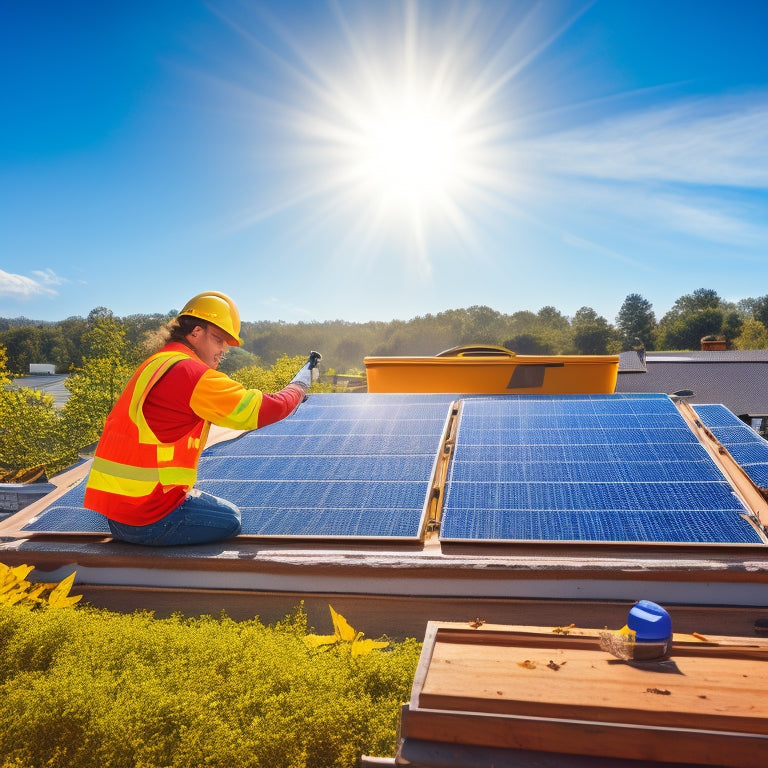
(224, 402)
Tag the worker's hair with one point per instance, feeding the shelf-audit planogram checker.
(183, 325)
(176, 330)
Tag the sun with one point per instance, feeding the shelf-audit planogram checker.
(409, 153)
(395, 151)
(397, 131)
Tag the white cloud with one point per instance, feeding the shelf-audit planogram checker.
(716, 141)
(276, 305)
(48, 277)
(23, 287)
(587, 245)
(697, 168)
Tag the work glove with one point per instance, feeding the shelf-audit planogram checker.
(310, 373)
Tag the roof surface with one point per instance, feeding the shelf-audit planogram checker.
(735, 378)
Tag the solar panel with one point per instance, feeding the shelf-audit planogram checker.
(356, 466)
(748, 448)
(342, 466)
(598, 468)
(585, 468)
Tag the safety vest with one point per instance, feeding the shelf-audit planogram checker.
(135, 478)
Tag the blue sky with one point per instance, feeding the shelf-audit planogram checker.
(380, 159)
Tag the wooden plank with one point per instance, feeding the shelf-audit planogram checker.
(666, 745)
(685, 692)
(572, 637)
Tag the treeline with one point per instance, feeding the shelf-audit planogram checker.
(743, 325)
(36, 434)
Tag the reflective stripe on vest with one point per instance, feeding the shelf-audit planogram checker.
(111, 477)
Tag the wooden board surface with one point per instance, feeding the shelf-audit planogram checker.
(530, 688)
(686, 692)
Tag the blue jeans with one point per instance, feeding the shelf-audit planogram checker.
(199, 519)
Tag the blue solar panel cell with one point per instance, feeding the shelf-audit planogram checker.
(589, 468)
(747, 454)
(705, 527)
(717, 416)
(328, 468)
(745, 445)
(371, 463)
(595, 496)
(585, 471)
(736, 435)
(301, 494)
(65, 516)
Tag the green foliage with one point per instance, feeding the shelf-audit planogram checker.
(686, 330)
(276, 377)
(593, 335)
(528, 344)
(5, 376)
(34, 344)
(636, 322)
(95, 387)
(86, 687)
(754, 335)
(238, 358)
(30, 430)
(93, 390)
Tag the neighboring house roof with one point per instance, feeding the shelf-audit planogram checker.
(49, 384)
(738, 379)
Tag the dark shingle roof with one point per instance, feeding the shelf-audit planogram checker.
(736, 378)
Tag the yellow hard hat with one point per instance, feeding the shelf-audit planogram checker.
(216, 308)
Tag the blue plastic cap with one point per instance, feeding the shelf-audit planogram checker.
(650, 622)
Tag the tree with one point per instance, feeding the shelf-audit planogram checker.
(238, 358)
(731, 326)
(700, 300)
(105, 337)
(5, 376)
(593, 334)
(528, 344)
(760, 310)
(637, 322)
(30, 429)
(695, 315)
(687, 331)
(275, 378)
(553, 318)
(754, 335)
(95, 387)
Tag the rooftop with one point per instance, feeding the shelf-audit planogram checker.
(407, 508)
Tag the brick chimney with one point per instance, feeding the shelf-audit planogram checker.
(712, 343)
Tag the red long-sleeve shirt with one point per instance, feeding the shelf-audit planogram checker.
(191, 391)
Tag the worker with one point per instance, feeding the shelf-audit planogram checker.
(145, 464)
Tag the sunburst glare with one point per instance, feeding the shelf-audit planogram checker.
(400, 133)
